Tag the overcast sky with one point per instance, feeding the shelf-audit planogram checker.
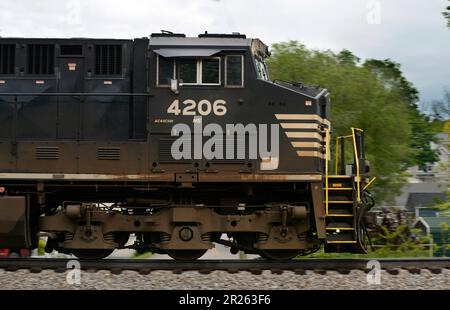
(411, 32)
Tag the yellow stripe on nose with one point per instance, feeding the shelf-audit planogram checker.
(299, 126)
(310, 154)
(302, 117)
(308, 135)
(306, 144)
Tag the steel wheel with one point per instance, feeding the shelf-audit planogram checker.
(92, 253)
(279, 254)
(185, 254)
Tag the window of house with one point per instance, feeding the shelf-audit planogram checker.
(41, 59)
(234, 65)
(165, 71)
(7, 58)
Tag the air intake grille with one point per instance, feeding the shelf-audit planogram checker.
(71, 50)
(108, 153)
(108, 59)
(47, 152)
(165, 154)
(41, 59)
(7, 58)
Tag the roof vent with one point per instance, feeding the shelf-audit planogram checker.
(235, 35)
(166, 33)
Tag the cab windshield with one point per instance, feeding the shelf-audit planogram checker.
(261, 69)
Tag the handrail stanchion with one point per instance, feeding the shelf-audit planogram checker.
(358, 185)
(327, 151)
(336, 156)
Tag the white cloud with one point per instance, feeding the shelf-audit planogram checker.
(411, 32)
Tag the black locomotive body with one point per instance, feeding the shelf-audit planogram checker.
(87, 156)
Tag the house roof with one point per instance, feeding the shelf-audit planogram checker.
(436, 222)
(424, 199)
(422, 187)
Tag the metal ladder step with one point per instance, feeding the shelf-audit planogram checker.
(339, 228)
(340, 215)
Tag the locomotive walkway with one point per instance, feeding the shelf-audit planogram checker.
(256, 266)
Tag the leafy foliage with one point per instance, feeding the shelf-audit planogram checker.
(441, 108)
(142, 255)
(401, 242)
(447, 15)
(389, 73)
(375, 97)
(41, 247)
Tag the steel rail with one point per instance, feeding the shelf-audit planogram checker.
(435, 265)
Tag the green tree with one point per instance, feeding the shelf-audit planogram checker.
(441, 108)
(345, 57)
(423, 132)
(359, 99)
(447, 15)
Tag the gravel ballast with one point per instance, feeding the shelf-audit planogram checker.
(193, 280)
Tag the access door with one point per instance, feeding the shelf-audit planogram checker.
(70, 82)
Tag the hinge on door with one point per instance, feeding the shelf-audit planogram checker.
(14, 148)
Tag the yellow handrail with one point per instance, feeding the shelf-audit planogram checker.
(336, 162)
(336, 159)
(327, 146)
(358, 185)
(368, 184)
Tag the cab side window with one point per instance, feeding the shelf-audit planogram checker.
(204, 71)
(187, 71)
(211, 71)
(201, 71)
(166, 71)
(261, 69)
(234, 75)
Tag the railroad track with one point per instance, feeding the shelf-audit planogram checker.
(321, 266)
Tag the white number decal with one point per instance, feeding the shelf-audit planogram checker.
(190, 107)
(219, 107)
(174, 108)
(201, 106)
(204, 107)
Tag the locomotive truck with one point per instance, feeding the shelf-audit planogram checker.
(182, 141)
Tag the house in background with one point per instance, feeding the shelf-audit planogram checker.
(421, 203)
(439, 229)
(428, 186)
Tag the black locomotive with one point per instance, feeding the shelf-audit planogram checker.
(184, 142)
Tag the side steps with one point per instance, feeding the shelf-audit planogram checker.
(340, 212)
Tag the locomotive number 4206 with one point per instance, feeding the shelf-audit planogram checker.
(203, 107)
